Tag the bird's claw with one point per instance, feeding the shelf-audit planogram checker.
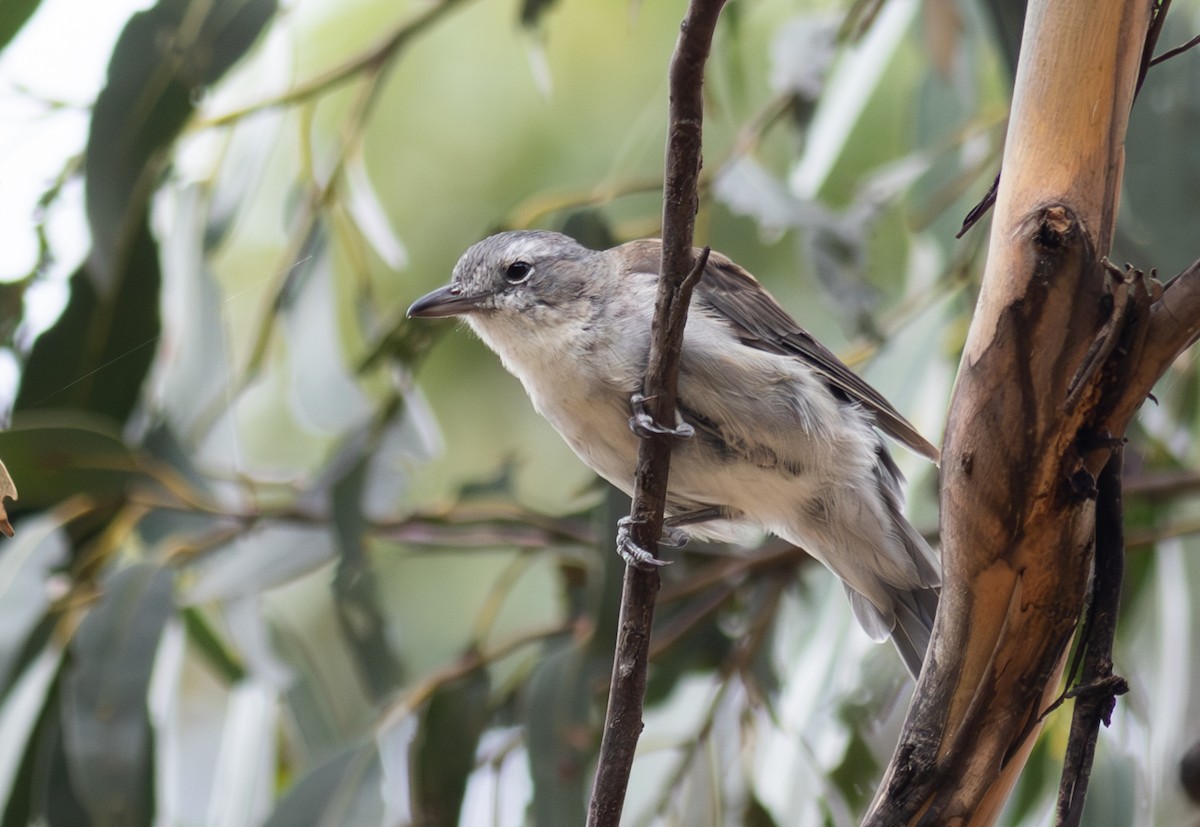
(643, 424)
(632, 553)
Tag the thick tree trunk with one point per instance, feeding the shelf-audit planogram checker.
(1054, 368)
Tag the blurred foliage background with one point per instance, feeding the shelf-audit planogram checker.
(285, 558)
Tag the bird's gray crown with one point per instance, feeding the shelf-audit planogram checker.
(520, 267)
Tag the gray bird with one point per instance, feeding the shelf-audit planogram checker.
(782, 434)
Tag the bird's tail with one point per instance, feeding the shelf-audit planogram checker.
(909, 624)
(914, 623)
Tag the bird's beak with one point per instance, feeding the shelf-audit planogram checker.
(445, 301)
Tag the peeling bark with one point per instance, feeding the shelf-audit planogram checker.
(1060, 356)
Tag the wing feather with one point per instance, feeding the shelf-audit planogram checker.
(758, 321)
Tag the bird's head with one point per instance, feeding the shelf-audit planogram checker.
(524, 277)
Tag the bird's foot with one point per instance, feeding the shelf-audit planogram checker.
(643, 424)
(635, 555)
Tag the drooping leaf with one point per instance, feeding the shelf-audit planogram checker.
(24, 568)
(369, 213)
(244, 778)
(97, 354)
(204, 639)
(164, 56)
(446, 741)
(356, 587)
(56, 460)
(30, 706)
(42, 791)
(560, 726)
(194, 360)
(106, 728)
(324, 395)
(343, 790)
(254, 562)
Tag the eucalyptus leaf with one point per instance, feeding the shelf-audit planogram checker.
(106, 728)
(96, 355)
(358, 601)
(325, 396)
(58, 456)
(344, 790)
(25, 709)
(447, 738)
(243, 783)
(25, 568)
(370, 215)
(164, 56)
(560, 725)
(395, 741)
(195, 359)
(257, 561)
(251, 635)
(42, 792)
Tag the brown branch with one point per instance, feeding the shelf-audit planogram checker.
(371, 59)
(1018, 487)
(1178, 50)
(1095, 694)
(623, 721)
(1173, 327)
(1152, 34)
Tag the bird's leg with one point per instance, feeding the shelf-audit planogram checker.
(643, 424)
(631, 552)
(673, 536)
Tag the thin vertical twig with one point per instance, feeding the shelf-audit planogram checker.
(1096, 693)
(680, 271)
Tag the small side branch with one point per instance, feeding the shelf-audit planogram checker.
(1173, 327)
(1096, 693)
(623, 721)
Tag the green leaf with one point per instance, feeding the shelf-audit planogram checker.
(30, 706)
(356, 586)
(42, 792)
(97, 354)
(105, 722)
(343, 790)
(57, 457)
(24, 568)
(446, 741)
(259, 560)
(208, 644)
(561, 732)
(162, 59)
(13, 15)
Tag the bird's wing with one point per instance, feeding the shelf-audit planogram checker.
(759, 322)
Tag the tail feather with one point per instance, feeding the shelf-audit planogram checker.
(915, 611)
(909, 624)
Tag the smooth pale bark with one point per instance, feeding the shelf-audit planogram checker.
(1060, 355)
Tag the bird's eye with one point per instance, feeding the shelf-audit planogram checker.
(517, 272)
